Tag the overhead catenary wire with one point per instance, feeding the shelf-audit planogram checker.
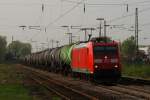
(125, 16)
(26, 4)
(78, 3)
(128, 15)
(133, 3)
(122, 17)
(108, 4)
(145, 24)
(132, 29)
(70, 1)
(62, 15)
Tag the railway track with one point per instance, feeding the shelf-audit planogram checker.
(65, 92)
(133, 87)
(84, 91)
(131, 91)
(131, 80)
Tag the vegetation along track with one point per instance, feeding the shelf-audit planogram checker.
(116, 92)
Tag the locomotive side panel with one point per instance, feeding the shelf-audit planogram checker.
(80, 59)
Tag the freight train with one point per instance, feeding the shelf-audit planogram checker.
(95, 59)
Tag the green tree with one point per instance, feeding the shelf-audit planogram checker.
(128, 48)
(3, 44)
(14, 48)
(25, 49)
(17, 49)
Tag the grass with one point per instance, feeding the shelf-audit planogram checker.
(11, 84)
(15, 85)
(13, 92)
(136, 70)
(9, 74)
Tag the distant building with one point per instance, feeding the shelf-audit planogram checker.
(145, 50)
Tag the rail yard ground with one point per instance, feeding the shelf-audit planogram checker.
(15, 85)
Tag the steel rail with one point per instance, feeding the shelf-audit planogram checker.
(128, 91)
(118, 88)
(51, 89)
(134, 80)
(42, 76)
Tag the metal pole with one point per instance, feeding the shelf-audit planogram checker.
(91, 30)
(137, 27)
(68, 31)
(12, 38)
(36, 47)
(100, 32)
(100, 27)
(105, 29)
(42, 46)
(85, 35)
(85, 30)
(71, 38)
(52, 43)
(69, 34)
(57, 43)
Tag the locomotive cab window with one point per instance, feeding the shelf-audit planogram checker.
(101, 51)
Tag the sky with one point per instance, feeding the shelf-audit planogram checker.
(57, 13)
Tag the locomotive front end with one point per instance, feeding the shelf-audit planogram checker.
(106, 58)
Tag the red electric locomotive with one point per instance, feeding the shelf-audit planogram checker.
(99, 58)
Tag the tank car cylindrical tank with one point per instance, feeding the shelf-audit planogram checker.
(48, 57)
(40, 58)
(45, 57)
(52, 59)
(65, 55)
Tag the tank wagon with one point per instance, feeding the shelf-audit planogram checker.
(94, 59)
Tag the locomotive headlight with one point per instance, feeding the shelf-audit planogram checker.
(116, 66)
(96, 66)
(91, 72)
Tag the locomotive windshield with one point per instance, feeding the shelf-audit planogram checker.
(105, 48)
(101, 51)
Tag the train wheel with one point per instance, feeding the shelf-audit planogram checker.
(74, 75)
(83, 76)
(87, 77)
(64, 72)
